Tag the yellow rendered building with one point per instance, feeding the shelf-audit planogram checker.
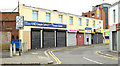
(45, 28)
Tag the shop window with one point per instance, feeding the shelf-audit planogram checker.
(106, 37)
(34, 15)
(87, 39)
(47, 17)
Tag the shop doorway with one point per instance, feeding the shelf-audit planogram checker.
(114, 40)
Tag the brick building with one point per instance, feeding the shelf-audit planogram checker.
(8, 23)
(99, 12)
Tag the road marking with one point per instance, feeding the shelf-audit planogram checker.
(56, 59)
(92, 60)
(97, 52)
(45, 52)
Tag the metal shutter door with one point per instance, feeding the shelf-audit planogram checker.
(61, 39)
(36, 39)
(100, 38)
(95, 39)
(49, 39)
(71, 39)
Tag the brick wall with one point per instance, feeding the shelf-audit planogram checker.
(5, 39)
(8, 23)
(101, 15)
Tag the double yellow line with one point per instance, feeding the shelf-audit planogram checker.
(56, 59)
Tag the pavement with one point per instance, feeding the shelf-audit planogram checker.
(36, 56)
(81, 54)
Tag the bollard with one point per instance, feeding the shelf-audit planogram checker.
(14, 49)
(23, 47)
(11, 50)
(19, 52)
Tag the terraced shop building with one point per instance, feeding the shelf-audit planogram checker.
(45, 28)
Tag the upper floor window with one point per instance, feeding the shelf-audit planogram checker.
(87, 22)
(93, 23)
(60, 18)
(34, 15)
(93, 15)
(79, 21)
(71, 20)
(114, 16)
(85, 15)
(47, 17)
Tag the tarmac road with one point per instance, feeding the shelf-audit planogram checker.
(84, 55)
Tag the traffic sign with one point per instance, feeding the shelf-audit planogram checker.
(19, 22)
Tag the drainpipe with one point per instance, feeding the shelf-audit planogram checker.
(97, 38)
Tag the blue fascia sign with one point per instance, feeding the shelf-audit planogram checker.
(43, 24)
(88, 28)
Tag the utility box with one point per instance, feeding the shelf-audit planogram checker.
(17, 43)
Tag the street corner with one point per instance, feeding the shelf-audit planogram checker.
(57, 60)
(108, 54)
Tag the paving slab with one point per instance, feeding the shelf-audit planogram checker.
(31, 57)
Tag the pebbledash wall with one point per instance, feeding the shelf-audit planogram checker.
(67, 30)
(114, 22)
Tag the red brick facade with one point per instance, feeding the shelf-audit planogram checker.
(101, 15)
(8, 23)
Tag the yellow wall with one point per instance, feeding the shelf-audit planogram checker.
(83, 21)
(27, 13)
(107, 41)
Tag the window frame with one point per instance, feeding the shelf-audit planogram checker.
(114, 16)
(71, 20)
(94, 23)
(33, 13)
(93, 15)
(80, 21)
(87, 22)
(60, 18)
(48, 16)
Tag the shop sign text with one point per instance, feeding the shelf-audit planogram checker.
(43, 24)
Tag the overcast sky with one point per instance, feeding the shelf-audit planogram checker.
(68, 6)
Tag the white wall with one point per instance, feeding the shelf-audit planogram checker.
(112, 24)
(111, 18)
(119, 13)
